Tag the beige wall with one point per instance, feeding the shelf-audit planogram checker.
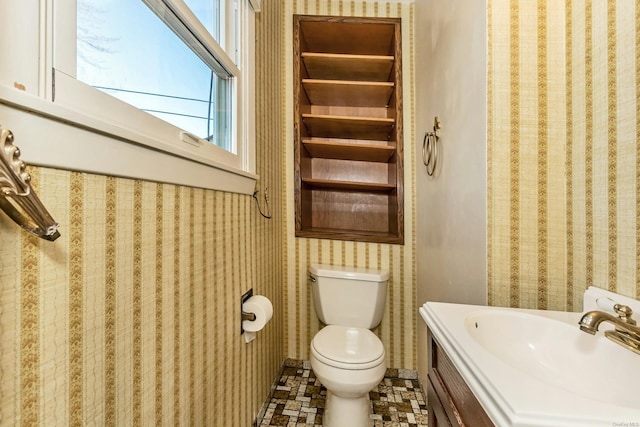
(563, 160)
(526, 155)
(603, 86)
(452, 211)
(452, 85)
(132, 316)
(397, 330)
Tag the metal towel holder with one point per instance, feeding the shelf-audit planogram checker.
(17, 198)
(430, 147)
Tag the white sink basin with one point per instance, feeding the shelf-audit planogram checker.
(559, 354)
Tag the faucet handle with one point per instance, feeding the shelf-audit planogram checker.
(624, 312)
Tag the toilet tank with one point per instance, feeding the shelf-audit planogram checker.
(348, 296)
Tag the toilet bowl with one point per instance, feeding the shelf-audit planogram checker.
(349, 362)
(347, 358)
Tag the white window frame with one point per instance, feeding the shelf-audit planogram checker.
(144, 148)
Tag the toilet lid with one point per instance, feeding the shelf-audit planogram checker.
(357, 348)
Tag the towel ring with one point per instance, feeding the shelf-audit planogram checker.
(430, 152)
(430, 147)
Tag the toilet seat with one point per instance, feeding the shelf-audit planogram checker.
(347, 347)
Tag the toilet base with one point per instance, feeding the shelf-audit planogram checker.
(347, 412)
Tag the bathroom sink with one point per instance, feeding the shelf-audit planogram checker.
(558, 354)
(536, 367)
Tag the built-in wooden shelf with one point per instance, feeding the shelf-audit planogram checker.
(335, 66)
(348, 128)
(349, 151)
(348, 93)
(326, 126)
(349, 185)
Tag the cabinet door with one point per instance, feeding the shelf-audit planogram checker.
(457, 401)
(437, 416)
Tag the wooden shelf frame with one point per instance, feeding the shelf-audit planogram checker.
(348, 129)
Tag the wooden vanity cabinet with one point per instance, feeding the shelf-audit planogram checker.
(348, 129)
(450, 401)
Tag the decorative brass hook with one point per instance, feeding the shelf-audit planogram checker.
(17, 198)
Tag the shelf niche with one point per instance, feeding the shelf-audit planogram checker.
(348, 128)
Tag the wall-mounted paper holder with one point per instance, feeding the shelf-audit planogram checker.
(243, 314)
(17, 198)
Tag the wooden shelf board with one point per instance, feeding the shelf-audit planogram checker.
(345, 234)
(333, 66)
(348, 93)
(347, 151)
(349, 185)
(372, 128)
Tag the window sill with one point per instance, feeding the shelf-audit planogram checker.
(54, 136)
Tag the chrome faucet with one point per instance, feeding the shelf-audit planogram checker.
(626, 332)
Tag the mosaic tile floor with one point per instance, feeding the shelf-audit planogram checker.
(298, 399)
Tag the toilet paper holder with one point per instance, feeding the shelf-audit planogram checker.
(248, 316)
(243, 314)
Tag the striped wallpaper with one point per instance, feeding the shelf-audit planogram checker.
(398, 328)
(132, 316)
(564, 157)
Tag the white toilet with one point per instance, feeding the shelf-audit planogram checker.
(347, 358)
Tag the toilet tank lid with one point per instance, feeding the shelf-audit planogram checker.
(359, 273)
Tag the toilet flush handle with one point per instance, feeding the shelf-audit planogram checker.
(312, 278)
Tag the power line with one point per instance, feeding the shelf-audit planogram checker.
(174, 114)
(151, 94)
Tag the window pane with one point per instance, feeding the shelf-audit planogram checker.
(208, 12)
(125, 50)
(222, 20)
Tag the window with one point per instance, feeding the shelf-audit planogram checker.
(125, 50)
(170, 74)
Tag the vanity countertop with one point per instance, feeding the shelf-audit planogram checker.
(553, 393)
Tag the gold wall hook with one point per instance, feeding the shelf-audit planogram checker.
(436, 126)
(17, 198)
